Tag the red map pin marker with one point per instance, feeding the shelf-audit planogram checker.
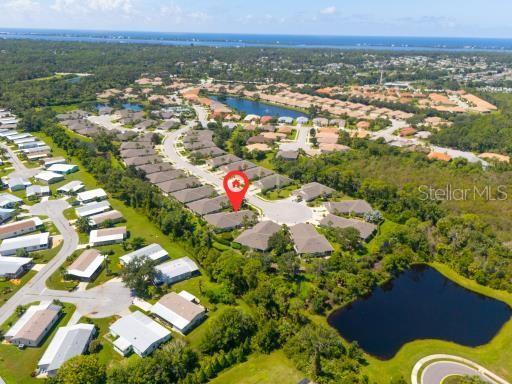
(236, 184)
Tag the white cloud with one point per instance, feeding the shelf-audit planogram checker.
(111, 5)
(329, 10)
(87, 6)
(21, 5)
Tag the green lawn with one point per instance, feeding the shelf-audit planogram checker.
(17, 365)
(282, 193)
(10, 287)
(262, 369)
(43, 257)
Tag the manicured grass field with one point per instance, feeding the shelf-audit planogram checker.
(9, 287)
(262, 369)
(281, 193)
(17, 365)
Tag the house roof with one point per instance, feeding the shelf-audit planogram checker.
(34, 322)
(139, 331)
(128, 153)
(93, 194)
(238, 166)
(176, 268)
(102, 217)
(206, 206)
(68, 342)
(160, 177)
(288, 155)
(273, 181)
(17, 226)
(308, 240)
(142, 160)
(257, 173)
(153, 251)
(21, 242)
(107, 234)
(10, 265)
(258, 236)
(209, 152)
(93, 208)
(177, 310)
(348, 207)
(72, 186)
(153, 168)
(313, 190)
(178, 184)
(8, 199)
(228, 220)
(192, 194)
(86, 264)
(365, 229)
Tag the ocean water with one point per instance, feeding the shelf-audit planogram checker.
(246, 40)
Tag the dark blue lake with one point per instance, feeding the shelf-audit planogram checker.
(419, 304)
(257, 108)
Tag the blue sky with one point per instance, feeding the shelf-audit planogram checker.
(473, 18)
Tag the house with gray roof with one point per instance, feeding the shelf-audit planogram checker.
(365, 229)
(256, 173)
(222, 160)
(312, 191)
(258, 236)
(178, 184)
(348, 207)
(225, 221)
(154, 168)
(29, 243)
(154, 251)
(93, 208)
(160, 177)
(285, 120)
(128, 153)
(274, 181)
(192, 194)
(142, 160)
(71, 188)
(238, 166)
(207, 206)
(176, 270)
(308, 241)
(208, 152)
(14, 267)
(138, 333)
(87, 265)
(68, 342)
(136, 145)
(113, 217)
(9, 201)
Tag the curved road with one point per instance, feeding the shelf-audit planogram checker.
(286, 211)
(436, 368)
(103, 301)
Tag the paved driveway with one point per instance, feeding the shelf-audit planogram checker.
(20, 170)
(435, 373)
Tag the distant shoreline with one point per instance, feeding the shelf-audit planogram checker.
(378, 43)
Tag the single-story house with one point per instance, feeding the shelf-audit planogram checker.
(178, 184)
(34, 324)
(71, 188)
(274, 181)
(225, 221)
(258, 236)
(155, 252)
(241, 165)
(257, 173)
(92, 195)
(312, 191)
(9, 201)
(18, 228)
(153, 168)
(222, 160)
(285, 120)
(208, 152)
(18, 184)
(193, 194)
(176, 270)
(107, 236)
(308, 241)
(37, 191)
(12, 267)
(128, 153)
(138, 333)
(178, 311)
(207, 206)
(302, 120)
(348, 207)
(63, 169)
(91, 209)
(29, 243)
(162, 177)
(111, 216)
(87, 265)
(364, 228)
(68, 342)
(49, 177)
(142, 160)
(6, 214)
